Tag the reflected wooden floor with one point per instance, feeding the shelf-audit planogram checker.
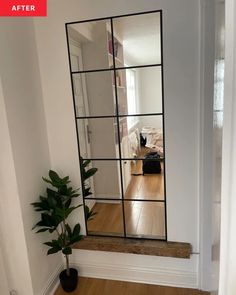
(91, 286)
(108, 219)
(146, 219)
(141, 218)
(148, 187)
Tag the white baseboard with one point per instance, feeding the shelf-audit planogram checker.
(53, 282)
(156, 276)
(96, 264)
(149, 275)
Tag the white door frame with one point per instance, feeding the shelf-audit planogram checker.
(227, 281)
(205, 133)
(75, 49)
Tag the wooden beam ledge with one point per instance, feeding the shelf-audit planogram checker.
(135, 246)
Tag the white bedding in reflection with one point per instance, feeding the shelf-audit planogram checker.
(154, 138)
(154, 141)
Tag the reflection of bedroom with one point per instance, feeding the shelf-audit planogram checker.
(137, 91)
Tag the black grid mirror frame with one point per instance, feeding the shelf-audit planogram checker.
(117, 116)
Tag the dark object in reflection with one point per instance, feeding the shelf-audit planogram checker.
(151, 165)
(143, 140)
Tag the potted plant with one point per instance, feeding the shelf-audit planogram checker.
(55, 209)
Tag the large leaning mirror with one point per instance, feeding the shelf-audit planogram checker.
(117, 85)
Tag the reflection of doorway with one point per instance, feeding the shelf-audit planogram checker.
(82, 108)
(81, 104)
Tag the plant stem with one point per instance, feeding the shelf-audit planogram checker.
(57, 232)
(67, 265)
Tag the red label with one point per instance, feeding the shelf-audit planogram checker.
(23, 7)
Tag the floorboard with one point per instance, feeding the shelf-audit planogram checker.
(91, 286)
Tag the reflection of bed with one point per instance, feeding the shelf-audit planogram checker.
(154, 139)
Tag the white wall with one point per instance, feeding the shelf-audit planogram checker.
(25, 159)
(182, 101)
(12, 231)
(150, 96)
(3, 276)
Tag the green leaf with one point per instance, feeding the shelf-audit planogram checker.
(67, 251)
(89, 213)
(50, 244)
(87, 174)
(75, 239)
(54, 244)
(68, 203)
(86, 163)
(50, 220)
(87, 192)
(66, 179)
(53, 251)
(60, 212)
(42, 230)
(51, 193)
(63, 190)
(40, 223)
(54, 176)
(76, 230)
(61, 240)
(47, 180)
(68, 229)
(52, 230)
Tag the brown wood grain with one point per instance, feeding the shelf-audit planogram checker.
(148, 187)
(135, 246)
(91, 286)
(145, 219)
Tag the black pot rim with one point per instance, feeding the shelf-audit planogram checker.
(73, 272)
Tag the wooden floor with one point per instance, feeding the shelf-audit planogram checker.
(148, 187)
(145, 219)
(89, 286)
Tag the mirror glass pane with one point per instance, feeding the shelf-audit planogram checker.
(137, 40)
(98, 138)
(143, 179)
(105, 183)
(141, 135)
(139, 90)
(94, 94)
(90, 43)
(108, 219)
(145, 219)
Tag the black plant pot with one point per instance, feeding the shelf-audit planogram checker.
(69, 283)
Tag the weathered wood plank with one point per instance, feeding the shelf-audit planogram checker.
(135, 246)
